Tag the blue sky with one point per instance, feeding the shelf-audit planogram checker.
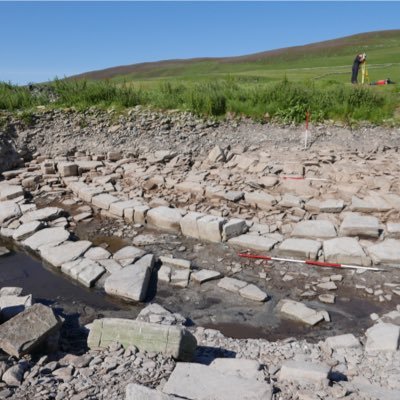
(42, 40)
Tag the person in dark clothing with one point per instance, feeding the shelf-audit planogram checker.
(360, 59)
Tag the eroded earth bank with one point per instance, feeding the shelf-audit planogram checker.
(125, 269)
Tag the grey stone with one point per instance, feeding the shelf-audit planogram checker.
(12, 305)
(67, 169)
(382, 337)
(252, 292)
(128, 255)
(165, 218)
(173, 341)
(65, 252)
(331, 206)
(327, 285)
(10, 192)
(47, 237)
(131, 282)
(342, 341)
(97, 253)
(357, 225)
(386, 252)
(134, 391)
(26, 230)
(110, 265)
(232, 284)
(180, 277)
(253, 242)
(104, 200)
(304, 372)
(300, 312)
(216, 154)
(263, 201)
(345, 250)
(14, 375)
(43, 214)
(164, 274)
(234, 227)
(27, 330)
(119, 207)
(189, 224)
(9, 210)
(290, 200)
(316, 229)
(205, 275)
(199, 382)
(371, 203)
(248, 369)
(304, 248)
(175, 262)
(393, 230)
(210, 228)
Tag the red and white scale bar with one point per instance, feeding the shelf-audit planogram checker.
(309, 262)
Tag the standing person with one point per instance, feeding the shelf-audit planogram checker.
(360, 59)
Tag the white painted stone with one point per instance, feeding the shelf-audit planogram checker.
(205, 275)
(165, 218)
(48, 237)
(345, 250)
(210, 228)
(232, 284)
(358, 225)
(253, 242)
(314, 229)
(189, 224)
(65, 252)
(234, 227)
(382, 337)
(200, 382)
(252, 292)
(25, 230)
(299, 311)
(386, 252)
(128, 255)
(132, 281)
(9, 210)
(342, 341)
(304, 372)
(303, 248)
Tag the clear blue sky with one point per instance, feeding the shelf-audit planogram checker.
(42, 40)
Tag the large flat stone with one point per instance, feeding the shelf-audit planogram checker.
(232, 284)
(234, 227)
(88, 192)
(133, 391)
(245, 368)
(25, 230)
(165, 218)
(104, 201)
(172, 341)
(9, 210)
(9, 192)
(200, 382)
(205, 275)
(304, 372)
(373, 203)
(132, 281)
(263, 201)
(65, 252)
(358, 225)
(382, 337)
(47, 237)
(345, 250)
(252, 292)
(66, 168)
(314, 229)
(128, 255)
(27, 330)
(119, 207)
(210, 228)
(300, 312)
(386, 252)
(303, 248)
(342, 342)
(43, 214)
(84, 270)
(253, 242)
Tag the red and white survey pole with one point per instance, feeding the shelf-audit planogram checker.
(309, 262)
(306, 134)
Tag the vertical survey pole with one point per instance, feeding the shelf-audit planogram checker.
(306, 135)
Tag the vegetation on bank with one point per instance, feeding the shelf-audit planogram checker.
(260, 99)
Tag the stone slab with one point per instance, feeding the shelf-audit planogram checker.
(133, 391)
(43, 214)
(263, 201)
(234, 227)
(252, 292)
(382, 337)
(104, 201)
(118, 208)
(172, 341)
(27, 330)
(314, 229)
(47, 237)
(205, 275)
(180, 277)
(331, 206)
(303, 248)
(189, 224)
(300, 312)
(369, 204)
(253, 242)
(359, 225)
(342, 341)
(11, 305)
(176, 262)
(200, 382)
(304, 372)
(345, 250)
(245, 368)
(9, 192)
(9, 210)
(65, 252)
(165, 218)
(232, 284)
(210, 228)
(386, 252)
(128, 255)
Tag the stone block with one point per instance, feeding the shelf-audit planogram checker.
(345, 250)
(263, 201)
(87, 193)
(357, 225)
(43, 214)
(234, 227)
(386, 252)
(133, 391)
(47, 237)
(172, 341)
(342, 341)
(299, 311)
(67, 169)
(371, 203)
(8, 211)
(252, 292)
(140, 213)
(189, 224)
(304, 372)
(210, 228)
(382, 337)
(9, 192)
(128, 255)
(118, 208)
(180, 277)
(232, 284)
(245, 368)
(314, 229)
(303, 248)
(165, 218)
(205, 275)
(104, 200)
(175, 262)
(28, 229)
(253, 242)
(65, 252)
(331, 206)
(200, 382)
(28, 330)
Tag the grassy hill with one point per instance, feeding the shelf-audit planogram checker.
(322, 60)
